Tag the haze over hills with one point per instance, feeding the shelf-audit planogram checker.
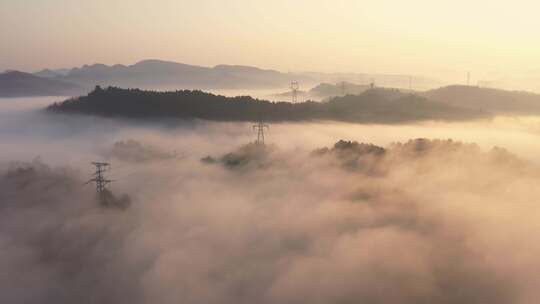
(327, 90)
(157, 73)
(18, 84)
(146, 74)
(167, 75)
(493, 100)
(343, 88)
(48, 73)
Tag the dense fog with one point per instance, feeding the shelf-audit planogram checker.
(304, 219)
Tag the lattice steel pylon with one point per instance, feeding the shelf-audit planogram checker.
(295, 86)
(99, 178)
(260, 131)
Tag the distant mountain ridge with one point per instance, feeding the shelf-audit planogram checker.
(158, 73)
(493, 100)
(161, 74)
(48, 73)
(167, 75)
(20, 84)
(146, 74)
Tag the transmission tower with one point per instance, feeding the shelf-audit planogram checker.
(260, 131)
(372, 84)
(343, 91)
(295, 86)
(99, 178)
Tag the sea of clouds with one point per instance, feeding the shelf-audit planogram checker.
(304, 219)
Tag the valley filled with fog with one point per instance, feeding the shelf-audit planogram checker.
(27, 130)
(305, 218)
(269, 152)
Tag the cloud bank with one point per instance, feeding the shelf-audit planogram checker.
(423, 221)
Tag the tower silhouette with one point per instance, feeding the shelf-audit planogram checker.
(100, 180)
(260, 131)
(295, 86)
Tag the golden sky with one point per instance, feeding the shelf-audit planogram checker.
(436, 38)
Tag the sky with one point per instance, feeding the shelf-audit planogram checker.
(444, 39)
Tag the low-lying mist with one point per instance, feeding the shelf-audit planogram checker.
(305, 219)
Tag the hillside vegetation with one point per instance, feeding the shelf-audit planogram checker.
(372, 106)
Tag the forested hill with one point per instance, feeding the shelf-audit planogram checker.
(372, 106)
(495, 100)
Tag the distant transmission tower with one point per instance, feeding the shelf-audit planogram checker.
(260, 131)
(372, 84)
(294, 91)
(99, 179)
(343, 91)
